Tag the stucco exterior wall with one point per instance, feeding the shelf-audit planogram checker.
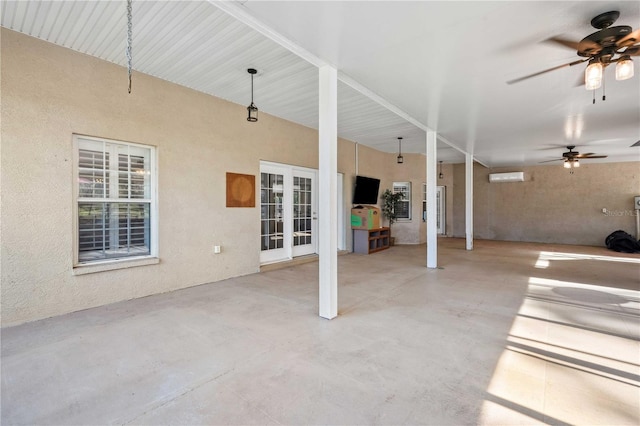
(48, 94)
(414, 170)
(411, 170)
(551, 205)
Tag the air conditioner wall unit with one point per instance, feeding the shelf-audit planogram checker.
(506, 177)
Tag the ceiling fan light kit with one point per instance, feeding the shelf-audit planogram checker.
(568, 164)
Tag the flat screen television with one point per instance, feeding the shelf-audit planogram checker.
(366, 190)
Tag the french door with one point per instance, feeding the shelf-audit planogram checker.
(288, 212)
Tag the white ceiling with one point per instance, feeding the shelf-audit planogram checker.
(441, 64)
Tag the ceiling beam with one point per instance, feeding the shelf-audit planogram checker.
(239, 12)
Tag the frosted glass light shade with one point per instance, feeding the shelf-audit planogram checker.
(593, 76)
(624, 69)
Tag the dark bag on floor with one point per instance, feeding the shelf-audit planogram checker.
(622, 242)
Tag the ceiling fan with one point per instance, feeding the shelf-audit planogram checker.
(571, 157)
(602, 48)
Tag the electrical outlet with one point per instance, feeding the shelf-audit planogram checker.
(217, 249)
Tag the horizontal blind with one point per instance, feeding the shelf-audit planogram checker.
(114, 200)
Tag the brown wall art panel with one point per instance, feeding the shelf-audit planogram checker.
(241, 190)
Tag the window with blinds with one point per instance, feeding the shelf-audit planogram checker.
(114, 199)
(403, 207)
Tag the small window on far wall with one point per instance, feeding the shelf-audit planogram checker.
(115, 200)
(403, 208)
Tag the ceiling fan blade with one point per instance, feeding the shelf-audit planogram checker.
(567, 43)
(636, 144)
(586, 154)
(591, 156)
(549, 161)
(632, 51)
(570, 64)
(630, 39)
(581, 46)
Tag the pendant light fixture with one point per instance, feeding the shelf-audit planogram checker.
(400, 157)
(440, 175)
(252, 110)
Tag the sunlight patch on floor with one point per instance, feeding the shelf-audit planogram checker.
(630, 296)
(572, 356)
(546, 256)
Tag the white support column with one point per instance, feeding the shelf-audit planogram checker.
(469, 200)
(327, 188)
(432, 229)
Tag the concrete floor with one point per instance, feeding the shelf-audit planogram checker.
(510, 333)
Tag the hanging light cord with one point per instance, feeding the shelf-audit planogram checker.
(129, 41)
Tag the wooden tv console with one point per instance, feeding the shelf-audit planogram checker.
(367, 241)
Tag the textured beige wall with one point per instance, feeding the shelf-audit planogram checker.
(414, 170)
(551, 205)
(411, 170)
(50, 93)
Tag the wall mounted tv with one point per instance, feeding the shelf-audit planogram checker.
(366, 190)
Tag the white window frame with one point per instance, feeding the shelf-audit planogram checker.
(150, 198)
(405, 188)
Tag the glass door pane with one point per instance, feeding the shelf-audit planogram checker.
(273, 216)
(271, 195)
(304, 213)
